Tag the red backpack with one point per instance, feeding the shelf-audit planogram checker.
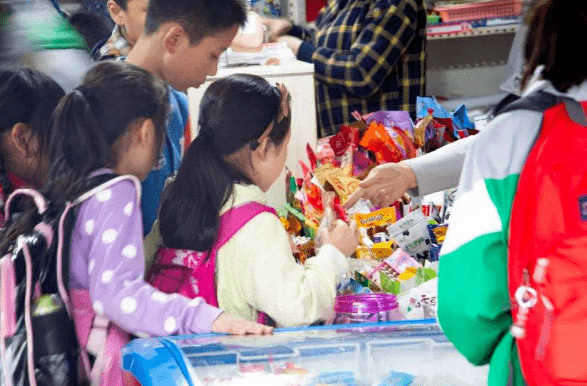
(547, 263)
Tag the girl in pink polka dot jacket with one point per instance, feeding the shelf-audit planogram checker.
(114, 123)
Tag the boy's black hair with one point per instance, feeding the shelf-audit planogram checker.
(551, 41)
(199, 18)
(114, 96)
(91, 26)
(235, 111)
(122, 3)
(26, 96)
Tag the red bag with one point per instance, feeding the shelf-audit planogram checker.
(547, 263)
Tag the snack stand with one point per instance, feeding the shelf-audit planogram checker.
(392, 353)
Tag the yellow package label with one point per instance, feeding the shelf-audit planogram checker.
(408, 274)
(377, 218)
(382, 251)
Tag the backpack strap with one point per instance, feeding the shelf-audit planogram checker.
(235, 218)
(541, 101)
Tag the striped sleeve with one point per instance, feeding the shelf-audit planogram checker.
(373, 56)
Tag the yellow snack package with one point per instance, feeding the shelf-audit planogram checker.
(377, 218)
(409, 273)
(382, 251)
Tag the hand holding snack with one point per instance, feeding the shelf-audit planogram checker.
(384, 185)
(343, 236)
(235, 325)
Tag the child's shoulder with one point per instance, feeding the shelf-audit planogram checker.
(119, 191)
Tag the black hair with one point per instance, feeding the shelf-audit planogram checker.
(26, 96)
(123, 4)
(89, 121)
(235, 111)
(199, 18)
(91, 26)
(551, 41)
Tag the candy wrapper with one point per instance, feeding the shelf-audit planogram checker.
(381, 217)
(411, 234)
(377, 140)
(400, 119)
(400, 261)
(437, 233)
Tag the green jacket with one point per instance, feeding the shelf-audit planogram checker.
(473, 299)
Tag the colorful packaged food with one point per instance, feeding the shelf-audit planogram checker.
(411, 234)
(381, 217)
(420, 131)
(400, 260)
(437, 233)
(377, 140)
(383, 250)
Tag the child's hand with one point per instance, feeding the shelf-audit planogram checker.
(235, 325)
(343, 236)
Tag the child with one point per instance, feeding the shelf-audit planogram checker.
(106, 253)
(238, 154)
(181, 43)
(27, 100)
(129, 16)
(474, 301)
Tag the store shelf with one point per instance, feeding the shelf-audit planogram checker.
(451, 32)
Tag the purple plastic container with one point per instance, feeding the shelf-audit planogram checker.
(366, 308)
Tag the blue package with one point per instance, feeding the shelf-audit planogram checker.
(346, 378)
(423, 104)
(397, 379)
(460, 119)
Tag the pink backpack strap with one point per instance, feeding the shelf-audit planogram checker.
(235, 218)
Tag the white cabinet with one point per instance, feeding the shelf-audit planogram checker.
(298, 77)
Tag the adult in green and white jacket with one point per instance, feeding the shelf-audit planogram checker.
(473, 299)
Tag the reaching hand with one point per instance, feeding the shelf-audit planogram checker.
(343, 236)
(384, 185)
(276, 28)
(235, 325)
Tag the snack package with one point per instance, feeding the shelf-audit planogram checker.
(400, 261)
(383, 250)
(397, 379)
(377, 140)
(400, 119)
(420, 131)
(381, 217)
(411, 234)
(361, 162)
(437, 233)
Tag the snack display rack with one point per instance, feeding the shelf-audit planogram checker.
(393, 353)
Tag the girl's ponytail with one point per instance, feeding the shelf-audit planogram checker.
(81, 146)
(189, 215)
(90, 121)
(234, 113)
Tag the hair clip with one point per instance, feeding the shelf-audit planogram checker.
(284, 106)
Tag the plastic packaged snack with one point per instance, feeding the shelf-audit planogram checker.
(397, 379)
(400, 260)
(411, 234)
(381, 217)
(378, 140)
